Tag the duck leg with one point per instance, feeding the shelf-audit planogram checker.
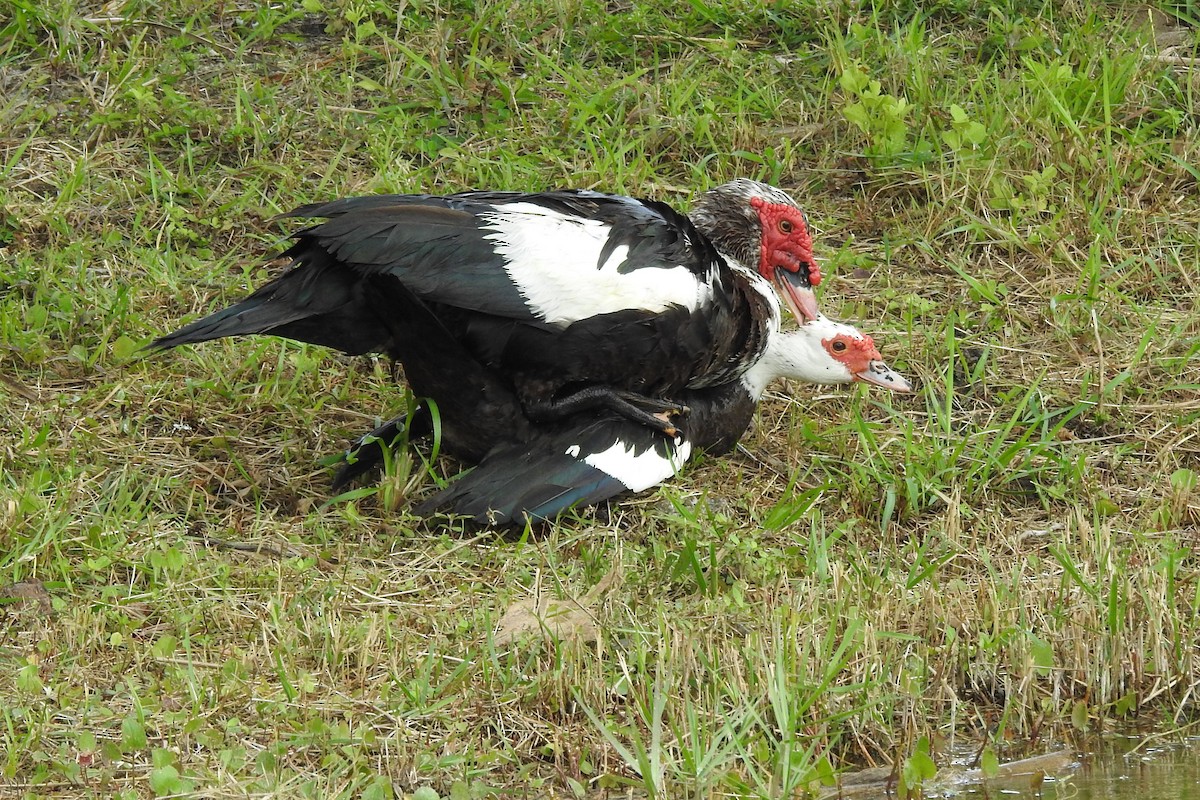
(654, 413)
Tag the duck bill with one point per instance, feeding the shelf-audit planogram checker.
(880, 374)
(794, 288)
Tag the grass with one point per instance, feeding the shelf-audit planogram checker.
(1006, 561)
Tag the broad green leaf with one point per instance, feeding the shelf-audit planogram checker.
(989, 764)
(1079, 715)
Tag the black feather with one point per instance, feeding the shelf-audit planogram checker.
(548, 474)
(317, 302)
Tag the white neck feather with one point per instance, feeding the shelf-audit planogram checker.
(800, 355)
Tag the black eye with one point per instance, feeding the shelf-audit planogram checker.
(785, 226)
(839, 347)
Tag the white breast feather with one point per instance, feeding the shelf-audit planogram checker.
(552, 258)
(640, 471)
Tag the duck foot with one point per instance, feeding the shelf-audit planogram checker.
(655, 413)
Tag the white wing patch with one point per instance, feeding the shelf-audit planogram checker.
(639, 471)
(553, 258)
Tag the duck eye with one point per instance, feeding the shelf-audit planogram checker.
(839, 347)
(785, 226)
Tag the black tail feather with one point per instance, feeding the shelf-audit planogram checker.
(318, 301)
(366, 452)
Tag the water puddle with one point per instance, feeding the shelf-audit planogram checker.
(1115, 769)
(1158, 772)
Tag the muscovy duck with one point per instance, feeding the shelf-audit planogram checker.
(588, 458)
(583, 300)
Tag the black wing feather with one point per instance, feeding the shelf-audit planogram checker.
(547, 475)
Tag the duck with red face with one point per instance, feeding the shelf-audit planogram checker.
(590, 458)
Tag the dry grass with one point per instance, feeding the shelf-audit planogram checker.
(1008, 558)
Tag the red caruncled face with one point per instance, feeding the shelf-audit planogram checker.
(856, 354)
(786, 242)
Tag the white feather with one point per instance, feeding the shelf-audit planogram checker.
(640, 471)
(800, 355)
(554, 261)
